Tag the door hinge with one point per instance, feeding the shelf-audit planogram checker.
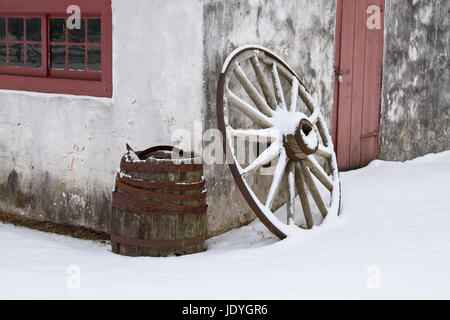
(369, 134)
(339, 71)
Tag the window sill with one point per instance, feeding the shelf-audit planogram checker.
(95, 88)
(49, 97)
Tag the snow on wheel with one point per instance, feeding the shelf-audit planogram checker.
(262, 105)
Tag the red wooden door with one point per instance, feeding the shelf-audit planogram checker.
(359, 55)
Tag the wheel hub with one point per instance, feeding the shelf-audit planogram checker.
(303, 142)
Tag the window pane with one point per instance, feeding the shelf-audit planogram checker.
(15, 29)
(94, 59)
(76, 57)
(15, 54)
(2, 29)
(34, 29)
(57, 30)
(34, 55)
(77, 35)
(94, 30)
(58, 57)
(2, 54)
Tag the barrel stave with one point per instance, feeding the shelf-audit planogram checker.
(160, 227)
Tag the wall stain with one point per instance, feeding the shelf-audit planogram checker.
(415, 97)
(44, 198)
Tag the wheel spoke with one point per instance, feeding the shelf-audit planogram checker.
(318, 172)
(323, 151)
(257, 99)
(277, 176)
(294, 94)
(300, 183)
(307, 99)
(314, 116)
(263, 82)
(323, 132)
(259, 118)
(265, 157)
(313, 190)
(277, 87)
(268, 133)
(291, 191)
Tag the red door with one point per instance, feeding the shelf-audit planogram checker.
(357, 94)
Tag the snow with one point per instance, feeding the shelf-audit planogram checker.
(392, 240)
(121, 175)
(133, 156)
(294, 94)
(311, 139)
(286, 122)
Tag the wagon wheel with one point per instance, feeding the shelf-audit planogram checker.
(280, 111)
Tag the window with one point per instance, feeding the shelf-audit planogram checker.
(38, 52)
(21, 44)
(75, 49)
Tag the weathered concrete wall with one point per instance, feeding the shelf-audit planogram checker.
(301, 32)
(59, 153)
(415, 109)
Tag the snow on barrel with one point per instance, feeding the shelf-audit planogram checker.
(159, 203)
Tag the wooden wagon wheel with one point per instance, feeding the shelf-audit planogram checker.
(281, 110)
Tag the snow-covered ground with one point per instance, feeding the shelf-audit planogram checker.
(391, 241)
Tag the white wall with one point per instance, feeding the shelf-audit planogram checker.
(58, 153)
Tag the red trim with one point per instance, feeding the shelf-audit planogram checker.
(25, 70)
(90, 83)
(53, 6)
(75, 74)
(358, 56)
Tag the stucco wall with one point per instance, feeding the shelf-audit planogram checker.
(415, 108)
(59, 153)
(301, 32)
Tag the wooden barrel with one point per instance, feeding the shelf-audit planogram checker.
(159, 204)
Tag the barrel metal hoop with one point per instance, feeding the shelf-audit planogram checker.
(161, 185)
(160, 195)
(159, 168)
(179, 243)
(136, 205)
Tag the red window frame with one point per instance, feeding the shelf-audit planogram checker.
(90, 83)
(73, 74)
(6, 69)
